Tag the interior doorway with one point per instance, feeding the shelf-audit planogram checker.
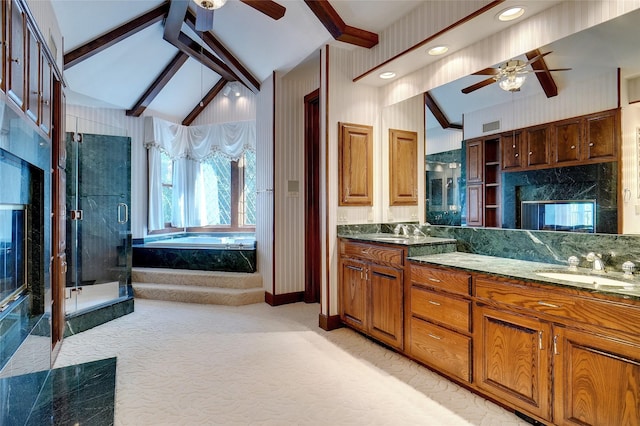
(312, 197)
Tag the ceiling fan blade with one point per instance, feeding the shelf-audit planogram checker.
(204, 19)
(487, 71)
(555, 69)
(479, 85)
(537, 58)
(268, 7)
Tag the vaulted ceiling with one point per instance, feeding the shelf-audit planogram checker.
(146, 54)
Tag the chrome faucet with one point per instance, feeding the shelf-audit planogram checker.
(598, 264)
(400, 228)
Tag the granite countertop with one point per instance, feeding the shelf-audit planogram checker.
(398, 239)
(528, 271)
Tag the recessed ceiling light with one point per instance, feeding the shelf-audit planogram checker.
(387, 75)
(511, 13)
(438, 50)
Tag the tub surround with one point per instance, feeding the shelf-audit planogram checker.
(77, 394)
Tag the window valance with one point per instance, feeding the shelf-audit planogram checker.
(200, 142)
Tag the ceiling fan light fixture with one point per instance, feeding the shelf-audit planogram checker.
(511, 13)
(512, 82)
(210, 4)
(438, 50)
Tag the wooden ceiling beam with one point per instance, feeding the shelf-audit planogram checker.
(174, 35)
(433, 106)
(269, 8)
(244, 75)
(211, 94)
(328, 16)
(544, 76)
(107, 40)
(159, 84)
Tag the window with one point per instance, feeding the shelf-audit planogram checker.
(230, 196)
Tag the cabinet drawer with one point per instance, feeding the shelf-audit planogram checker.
(372, 252)
(442, 349)
(573, 307)
(454, 282)
(441, 308)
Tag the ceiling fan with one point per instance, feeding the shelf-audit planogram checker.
(206, 8)
(510, 76)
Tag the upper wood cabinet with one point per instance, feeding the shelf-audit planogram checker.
(475, 161)
(566, 140)
(16, 55)
(3, 45)
(537, 143)
(33, 72)
(511, 150)
(46, 98)
(601, 135)
(403, 173)
(355, 164)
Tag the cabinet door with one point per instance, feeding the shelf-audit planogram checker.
(353, 296)
(475, 161)
(537, 146)
(403, 173)
(475, 205)
(567, 139)
(511, 147)
(3, 46)
(16, 78)
(596, 380)
(386, 301)
(601, 136)
(46, 99)
(33, 80)
(512, 359)
(355, 164)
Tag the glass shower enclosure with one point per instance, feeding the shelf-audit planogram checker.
(98, 217)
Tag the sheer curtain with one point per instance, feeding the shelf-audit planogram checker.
(188, 146)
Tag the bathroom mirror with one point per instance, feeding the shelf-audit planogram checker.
(444, 149)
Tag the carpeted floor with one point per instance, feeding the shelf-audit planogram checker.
(189, 364)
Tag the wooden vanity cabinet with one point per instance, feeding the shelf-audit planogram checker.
(372, 290)
(563, 356)
(439, 332)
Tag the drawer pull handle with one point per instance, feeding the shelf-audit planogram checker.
(434, 302)
(547, 304)
(435, 280)
(540, 345)
(433, 336)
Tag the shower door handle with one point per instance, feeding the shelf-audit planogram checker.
(122, 207)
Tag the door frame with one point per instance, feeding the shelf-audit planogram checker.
(312, 219)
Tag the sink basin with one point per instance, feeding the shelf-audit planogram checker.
(597, 280)
(388, 238)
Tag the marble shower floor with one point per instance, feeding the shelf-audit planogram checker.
(189, 364)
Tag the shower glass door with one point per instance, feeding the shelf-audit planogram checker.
(98, 215)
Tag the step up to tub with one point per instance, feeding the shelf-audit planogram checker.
(209, 287)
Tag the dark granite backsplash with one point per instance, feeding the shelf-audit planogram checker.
(539, 246)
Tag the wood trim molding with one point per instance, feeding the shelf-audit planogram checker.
(99, 44)
(283, 299)
(329, 322)
(248, 79)
(544, 76)
(433, 106)
(430, 38)
(211, 94)
(156, 87)
(328, 16)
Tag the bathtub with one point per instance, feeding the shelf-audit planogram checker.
(207, 252)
